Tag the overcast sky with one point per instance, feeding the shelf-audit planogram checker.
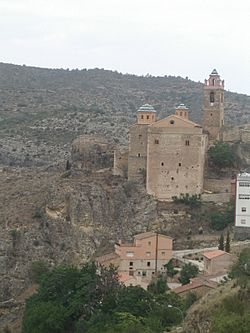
(159, 37)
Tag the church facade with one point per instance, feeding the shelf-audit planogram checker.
(169, 154)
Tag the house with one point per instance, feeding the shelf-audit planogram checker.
(200, 286)
(217, 262)
(142, 258)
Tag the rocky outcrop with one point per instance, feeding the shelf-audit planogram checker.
(92, 153)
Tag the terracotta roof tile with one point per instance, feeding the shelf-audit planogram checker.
(195, 283)
(214, 254)
(107, 257)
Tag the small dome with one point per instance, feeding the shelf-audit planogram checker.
(214, 72)
(146, 108)
(181, 107)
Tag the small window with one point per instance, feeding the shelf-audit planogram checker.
(163, 253)
(187, 142)
(149, 243)
(181, 113)
(139, 273)
(153, 117)
(148, 254)
(139, 155)
(211, 114)
(172, 122)
(147, 117)
(142, 117)
(131, 273)
(242, 221)
(243, 209)
(172, 178)
(179, 164)
(140, 136)
(212, 97)
(131, 263)
(148, 264)
(144, 273)
(162, 164)
(156, 141)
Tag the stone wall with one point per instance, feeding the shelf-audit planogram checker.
(121, 162)
(137, 160)
(216, 185)
(174, 167)
(92, 153)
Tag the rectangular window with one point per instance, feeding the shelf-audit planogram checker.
(142, 117)
(131, 273)
(243, 209)
(149, 243)
(148, 254)
(156, 141)
(244, 196)
(187, 142)
(163, 253)
(130, 254)
(242, 221)
(144, 273)
(244, 184)
(148, 264)
(131, 263)
(147, 117)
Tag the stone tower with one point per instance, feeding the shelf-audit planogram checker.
(175, 156)
(138, 139)
(213, 105)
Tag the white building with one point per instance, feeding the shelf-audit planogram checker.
(242, 204)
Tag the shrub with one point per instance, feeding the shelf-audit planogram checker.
(189, 200)
(221, 155)
(188, 271)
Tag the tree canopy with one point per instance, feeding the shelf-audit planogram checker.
(221, 155)
(91, 300)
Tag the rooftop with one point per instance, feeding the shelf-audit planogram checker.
(146, 108)
(195, 283)
(107, 257)
(181, 107)
(214, 72)
(214, 254)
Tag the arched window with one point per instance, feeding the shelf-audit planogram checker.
(212, 97)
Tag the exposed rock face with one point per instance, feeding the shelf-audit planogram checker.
(92, 153)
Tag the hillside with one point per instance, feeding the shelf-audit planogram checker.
(42, 110)
(66, 217)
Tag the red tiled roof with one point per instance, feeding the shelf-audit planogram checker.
(195, 283)
(107, 257)
(214, 254)
(149, 234)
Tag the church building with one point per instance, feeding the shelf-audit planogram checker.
(169, 154)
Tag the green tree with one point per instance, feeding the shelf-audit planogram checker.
(171, 272)
(221, 242)
(228, 241)
(158, 285)
(221, 155)
(190, 299)
(44, 317)
(188, 271)
(134, 300)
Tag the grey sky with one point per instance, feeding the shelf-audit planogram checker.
(160, 37)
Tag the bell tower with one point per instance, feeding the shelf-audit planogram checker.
(213, 105)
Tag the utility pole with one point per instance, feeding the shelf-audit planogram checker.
(156, 253)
